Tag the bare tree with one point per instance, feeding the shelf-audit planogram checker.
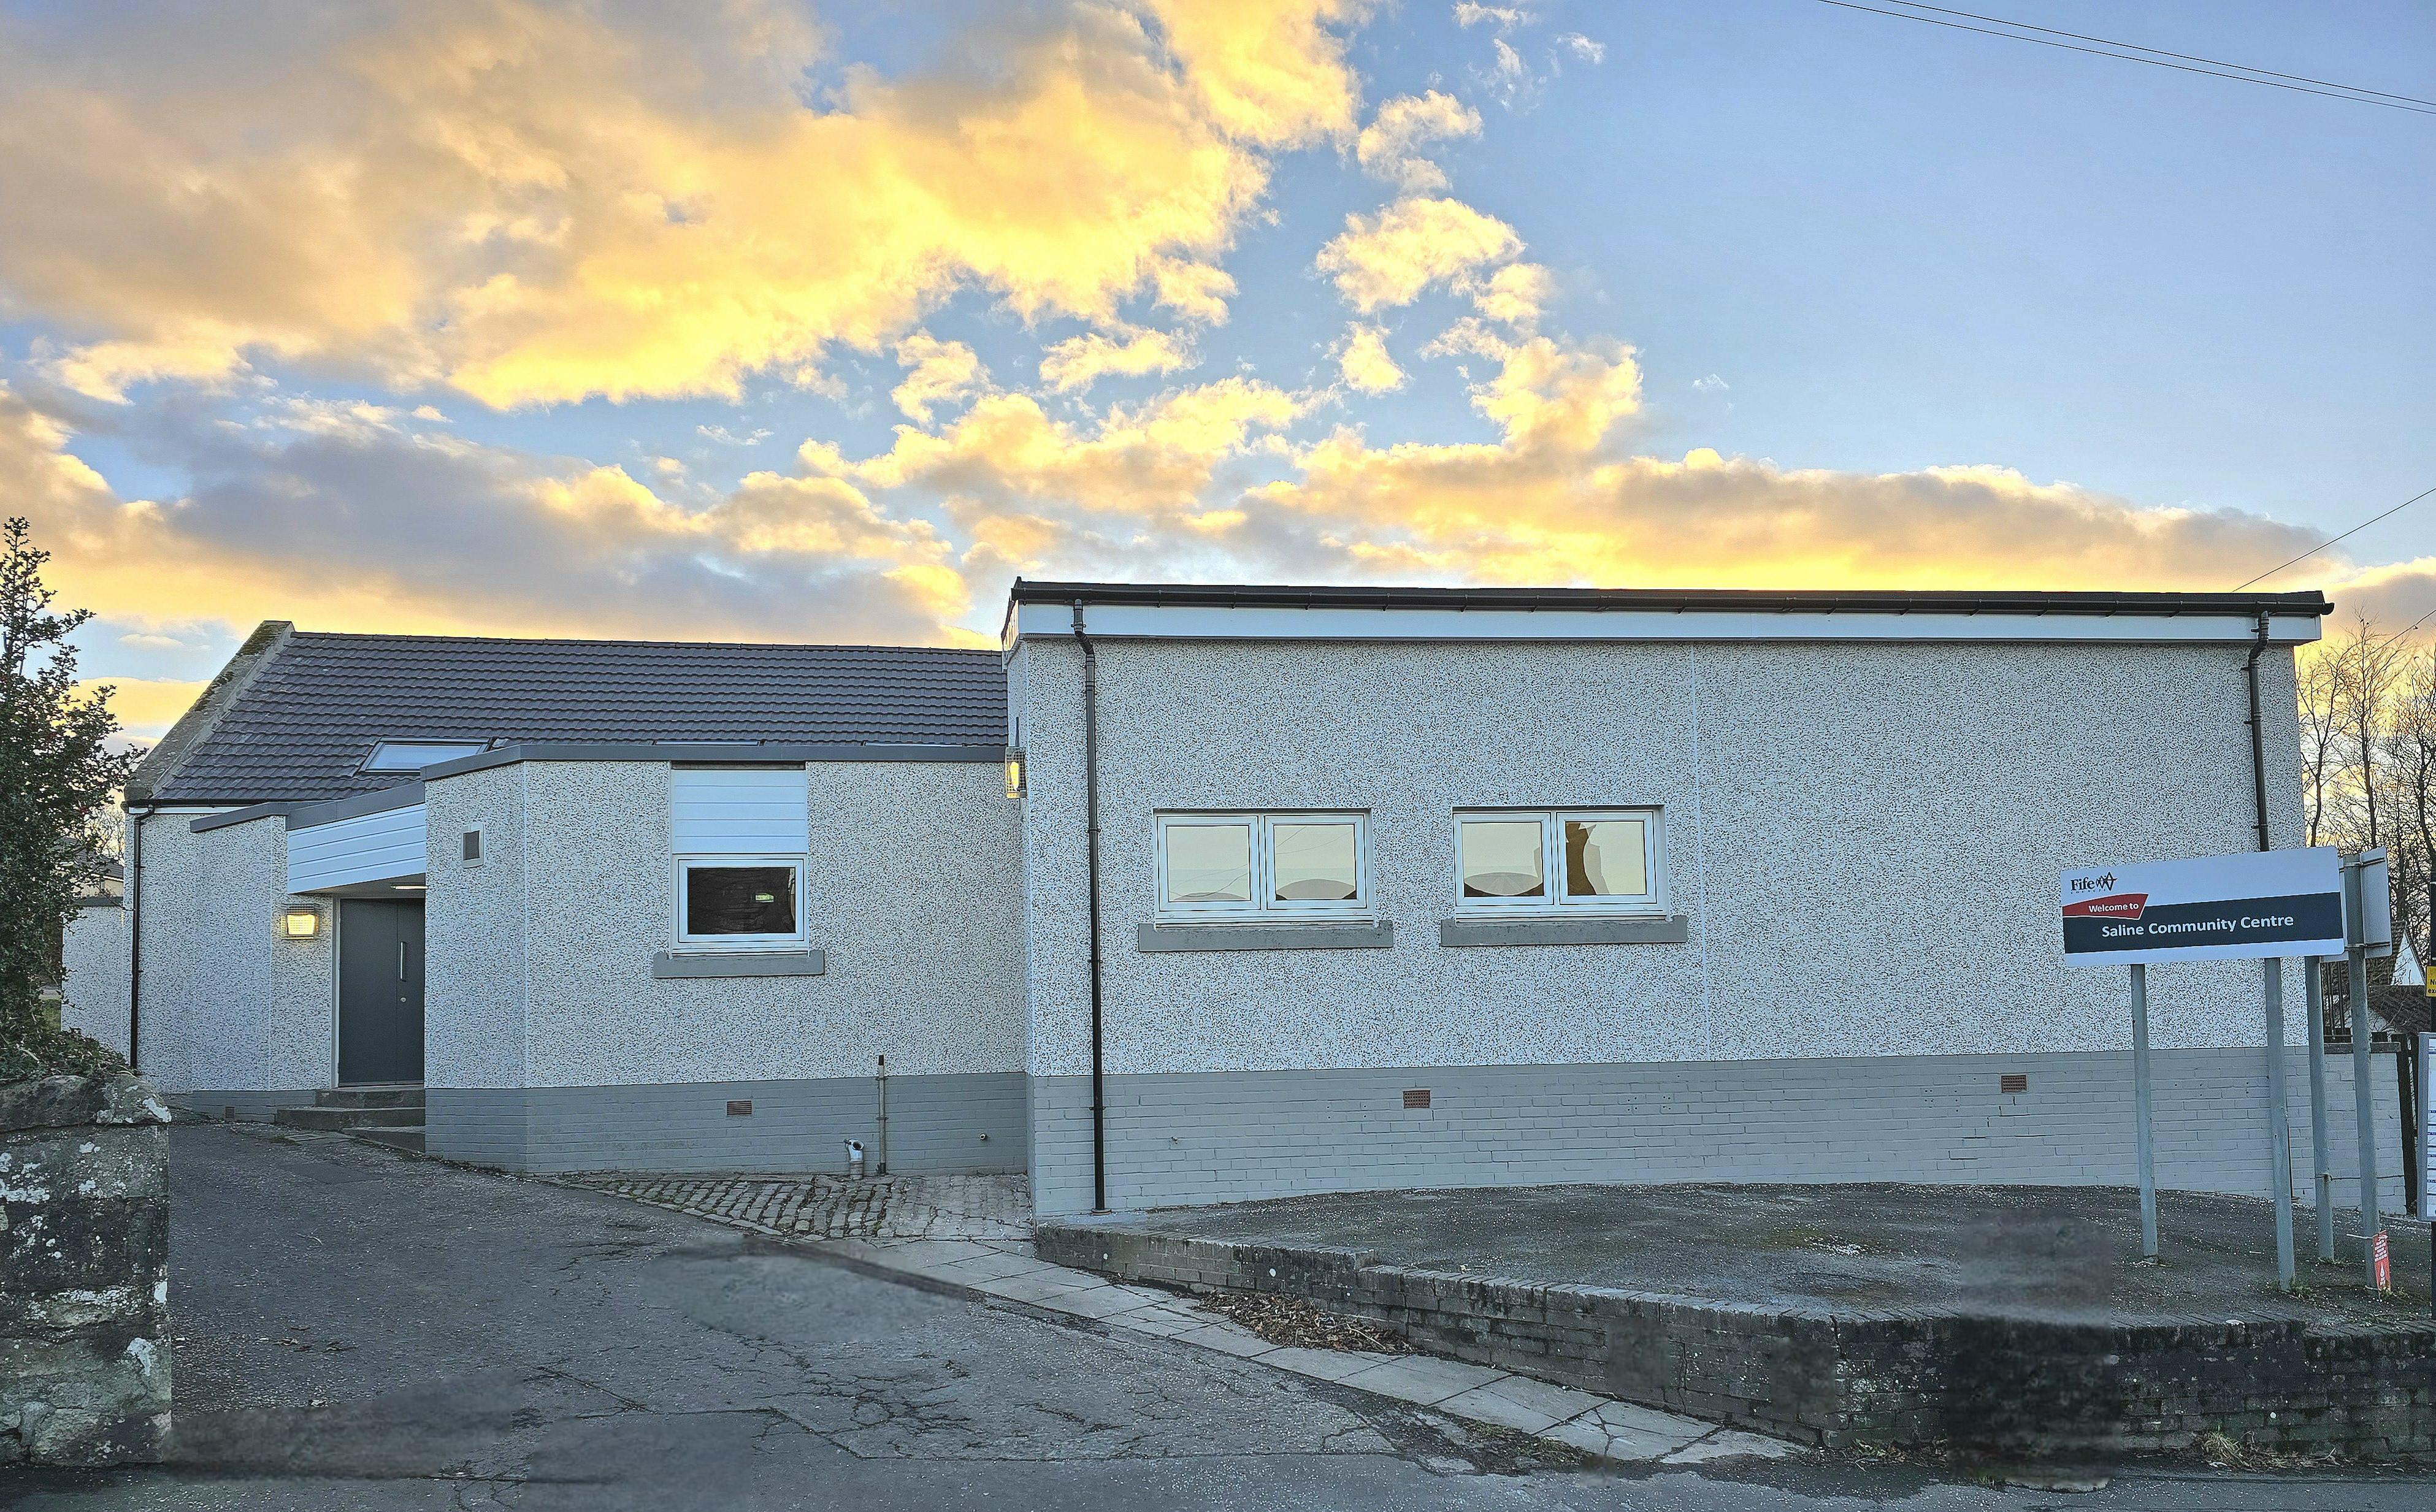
(2366, 668)
(2321, 762)
(2409, 778)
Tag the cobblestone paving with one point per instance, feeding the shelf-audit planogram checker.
(837, 1207)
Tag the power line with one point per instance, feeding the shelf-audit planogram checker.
(2346, 536)
(2188, 58)
(2356, 95)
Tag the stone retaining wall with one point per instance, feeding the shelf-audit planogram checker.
(84, 1254)
(1849, 1378)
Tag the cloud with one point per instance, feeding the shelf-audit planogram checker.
(537, 204)
(936, 373)
(1582, 48)
(146, 706)
(1393, 257)
(1389, 147)
(1517, 294)
(1080, 361)
(1364, 358)
(1710, 384)
(725, 436)
(382, 528)
(1469, 13)
(1155, 458)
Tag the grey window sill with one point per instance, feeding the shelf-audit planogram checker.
(1348, 936)
(668, 966)
(1674, 930)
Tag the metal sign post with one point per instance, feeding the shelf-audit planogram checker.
(2426, 1151)
(2279, 1129)
(2368, 921)
(2259, 905)
(2320, 1145)
(2140, 1110)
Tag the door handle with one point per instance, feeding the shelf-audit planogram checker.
(401, 960)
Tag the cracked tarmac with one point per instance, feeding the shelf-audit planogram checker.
(356, 1328)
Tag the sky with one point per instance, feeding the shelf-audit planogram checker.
(768, 319)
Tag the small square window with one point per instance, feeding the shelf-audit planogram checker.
(473, 847)
(736, 902)
(1262, 866)
(1557, 861)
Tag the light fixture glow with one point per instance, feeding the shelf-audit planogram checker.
(1013, 772)
(301, 924)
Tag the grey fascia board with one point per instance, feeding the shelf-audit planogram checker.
(669, 965)
(245, 815)
(776, 754)
(1362, 936)
(2308, 602)
(1666, 929)
(404, 796)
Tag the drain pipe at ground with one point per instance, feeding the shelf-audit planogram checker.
(880, 1168)
(1091, 883)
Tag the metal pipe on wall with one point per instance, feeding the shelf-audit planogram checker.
(130, 898)
(1091, 884)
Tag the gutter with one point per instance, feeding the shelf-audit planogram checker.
(1091, 881)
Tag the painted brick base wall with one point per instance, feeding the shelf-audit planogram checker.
(935, 1125)
(1240, 1135)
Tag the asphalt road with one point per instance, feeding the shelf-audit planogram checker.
(365, 1330)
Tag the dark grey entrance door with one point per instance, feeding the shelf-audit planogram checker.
(380, 991)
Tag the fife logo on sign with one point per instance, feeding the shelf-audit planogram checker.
(2257, 903)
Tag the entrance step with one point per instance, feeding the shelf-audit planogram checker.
(349, 1109)
(384, 1096)
(401, 1136)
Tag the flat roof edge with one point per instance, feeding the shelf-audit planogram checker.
(773, 754)
(1686, 600)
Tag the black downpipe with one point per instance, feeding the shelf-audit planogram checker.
(131, 896)
(1091, 882)
(2258, 733)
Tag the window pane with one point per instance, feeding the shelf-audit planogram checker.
(1316, 862)
(1500, 858)
(740, 900)
(1606, 858)
(1208, 863)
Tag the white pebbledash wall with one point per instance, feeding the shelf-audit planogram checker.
(1863, 837)
(227, 1006)
(92, 990)
(539, 976)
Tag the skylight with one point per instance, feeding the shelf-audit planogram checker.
(413, 756)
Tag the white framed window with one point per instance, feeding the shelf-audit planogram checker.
(1558, 861)
(1270, 866)
(739, 902)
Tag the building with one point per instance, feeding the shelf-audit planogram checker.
(1394, 887)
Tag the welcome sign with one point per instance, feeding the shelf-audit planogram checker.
(2207, 908)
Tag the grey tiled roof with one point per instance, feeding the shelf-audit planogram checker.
(304, 725)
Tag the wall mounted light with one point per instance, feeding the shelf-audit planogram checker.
(1015, 772)
(301, 924)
